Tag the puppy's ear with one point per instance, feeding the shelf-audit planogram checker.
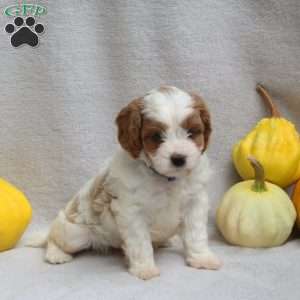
(129, 122)
(200, 106)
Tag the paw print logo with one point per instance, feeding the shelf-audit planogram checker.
(24, 32)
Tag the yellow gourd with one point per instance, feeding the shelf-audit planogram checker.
(255, 213)
(275, 143)
(15, 215)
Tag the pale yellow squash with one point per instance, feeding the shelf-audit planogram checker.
(255, 213)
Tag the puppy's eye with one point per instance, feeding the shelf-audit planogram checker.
(193, 132)
(156, 137)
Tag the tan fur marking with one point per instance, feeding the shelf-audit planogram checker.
(194, 124)
(103, 200)
(203, 112)
(150, 127)
(165, 89)
(129, 122)
(100, 195)
(71, 210)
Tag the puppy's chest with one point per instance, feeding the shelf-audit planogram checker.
(163, 208)
(161, 198)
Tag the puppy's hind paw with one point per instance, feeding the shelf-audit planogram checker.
(145, 273)
(205, 261)
(54, 255)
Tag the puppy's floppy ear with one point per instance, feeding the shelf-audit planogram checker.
(129, 122)
(200, 106)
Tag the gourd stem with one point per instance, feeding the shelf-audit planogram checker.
(268, 99)
(259, 183)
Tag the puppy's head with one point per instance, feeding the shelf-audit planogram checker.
(169, 126)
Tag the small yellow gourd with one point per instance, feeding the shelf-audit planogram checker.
(15, 215)
(275, 143)
(255, 213)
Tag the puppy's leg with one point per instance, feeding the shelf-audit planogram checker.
(56, 255)
(66, 238)
(136, 244)
(194, 235)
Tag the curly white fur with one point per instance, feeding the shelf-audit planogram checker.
(129, 206)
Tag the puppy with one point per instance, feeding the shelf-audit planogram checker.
(152, 188)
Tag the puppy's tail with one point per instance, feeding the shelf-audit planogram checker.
(37, 240)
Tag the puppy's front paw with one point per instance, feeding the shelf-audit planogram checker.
(144, 272)
(205, 261)
(54, 255)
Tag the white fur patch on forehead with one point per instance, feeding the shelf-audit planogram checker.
(168, 105)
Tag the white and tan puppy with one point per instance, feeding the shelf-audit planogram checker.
(151, 189)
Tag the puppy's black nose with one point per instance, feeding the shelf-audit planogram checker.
(178, 160)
